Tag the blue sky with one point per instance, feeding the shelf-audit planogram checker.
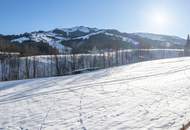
(155, 16)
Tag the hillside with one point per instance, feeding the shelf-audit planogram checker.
(151, 95)
(84, 39)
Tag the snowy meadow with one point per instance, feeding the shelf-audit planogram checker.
(151, 95)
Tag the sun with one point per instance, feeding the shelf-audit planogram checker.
(160, 19)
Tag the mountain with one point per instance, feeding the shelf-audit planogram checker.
(83, 39)
(163, 40)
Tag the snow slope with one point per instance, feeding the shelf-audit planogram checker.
(77, 28)
(162, 38)
(62, 38)
(153, 95)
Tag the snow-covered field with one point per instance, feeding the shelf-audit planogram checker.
(153, 95)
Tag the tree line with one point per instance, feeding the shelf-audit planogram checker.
(15, 67)
(26, 48)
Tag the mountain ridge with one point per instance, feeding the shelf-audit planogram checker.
(81, 39)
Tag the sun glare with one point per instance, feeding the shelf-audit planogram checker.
(160, 19)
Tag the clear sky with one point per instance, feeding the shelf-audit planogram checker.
(155, 16)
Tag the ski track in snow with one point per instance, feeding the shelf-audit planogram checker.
(153, 95)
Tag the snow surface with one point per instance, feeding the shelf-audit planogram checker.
(21, 39)
(151, 36)
(159, 37)
(125, 39)
(153, 95)
(49, 37)
(77, 28)
(89, 35)
(55, 40)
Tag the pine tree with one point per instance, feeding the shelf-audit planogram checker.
(187, 47)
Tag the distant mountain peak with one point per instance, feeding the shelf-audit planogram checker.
(161, 37)
(78, 28)
(86, 38)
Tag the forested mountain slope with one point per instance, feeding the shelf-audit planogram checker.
(85, 39)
